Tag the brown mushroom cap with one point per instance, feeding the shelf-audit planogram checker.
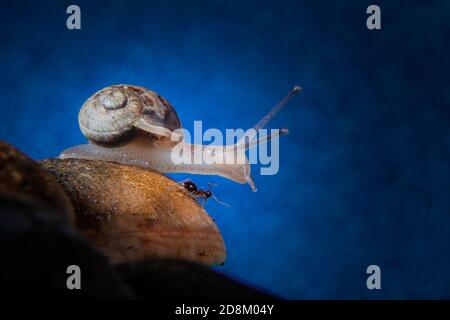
(131, 213)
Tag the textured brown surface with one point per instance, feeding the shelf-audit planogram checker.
(131, 213)
(24, 179)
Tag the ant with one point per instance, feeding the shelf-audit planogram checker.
(198, 193)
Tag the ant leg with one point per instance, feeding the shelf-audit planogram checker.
(210, 185)
(220, 202)
(177, 187)
(184, 181)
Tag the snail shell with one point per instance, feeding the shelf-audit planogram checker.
(113, 115)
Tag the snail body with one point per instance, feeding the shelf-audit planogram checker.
(136, 126)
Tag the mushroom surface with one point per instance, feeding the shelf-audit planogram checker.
(131, 213)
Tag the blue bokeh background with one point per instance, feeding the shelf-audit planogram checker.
(365, 171)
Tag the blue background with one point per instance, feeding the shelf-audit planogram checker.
(365, 171)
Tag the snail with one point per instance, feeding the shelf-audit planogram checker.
(133, 125)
